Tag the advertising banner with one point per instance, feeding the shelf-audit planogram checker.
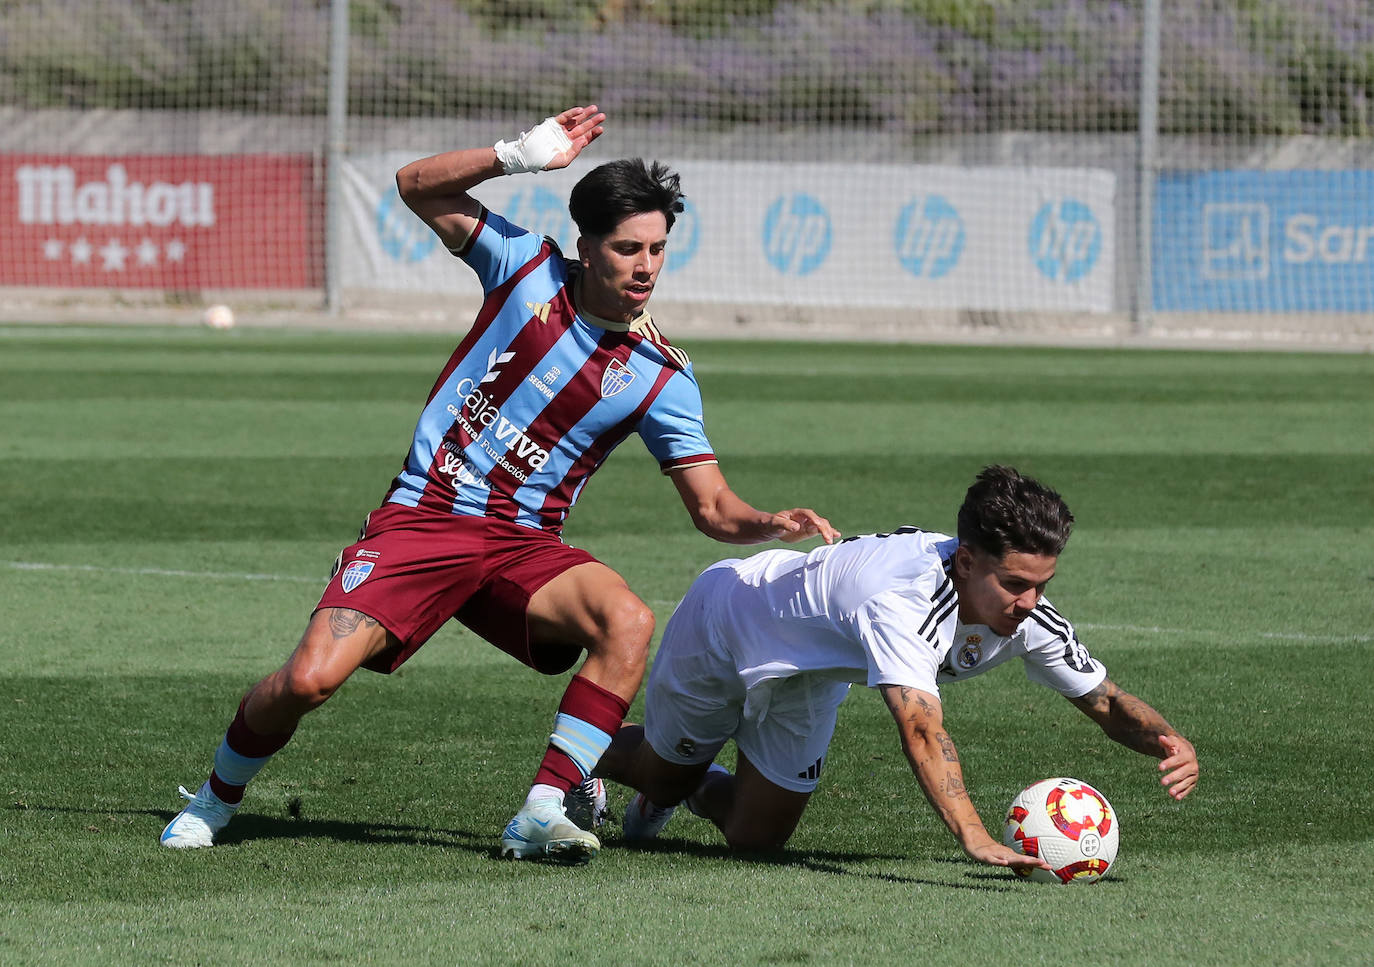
(1265, 241)
(160, 221)
(800, 234)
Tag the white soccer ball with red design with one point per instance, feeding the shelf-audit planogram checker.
(1067, 823)
(219, 317)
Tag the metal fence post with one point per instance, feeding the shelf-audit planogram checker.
(1147, 167)
(336, 142)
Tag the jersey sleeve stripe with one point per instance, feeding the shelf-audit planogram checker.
(460, 250)
(673, 354)
(1043, 622)
(944, 598)
(1054, 618)
(682, 463)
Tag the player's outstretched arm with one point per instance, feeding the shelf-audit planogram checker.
(931, 752)
(1136, 725)
(436, 188)
(719, 513)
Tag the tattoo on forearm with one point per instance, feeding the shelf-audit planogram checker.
(947, 747)
(954, 787)
(344, 622)
(1137, 725)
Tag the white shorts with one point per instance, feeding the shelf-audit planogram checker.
(695, 701)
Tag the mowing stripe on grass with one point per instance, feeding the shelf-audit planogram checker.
(157, 572)
(659, 603)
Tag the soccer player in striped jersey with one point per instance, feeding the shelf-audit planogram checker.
(562, 363)
(763, 650)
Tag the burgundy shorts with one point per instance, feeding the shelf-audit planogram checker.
(412, 570)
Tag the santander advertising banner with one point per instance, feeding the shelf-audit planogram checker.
(160, 221)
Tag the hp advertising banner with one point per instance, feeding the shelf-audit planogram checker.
(808, 234)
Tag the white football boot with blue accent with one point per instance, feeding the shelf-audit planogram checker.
(541, 830)
(197, 825)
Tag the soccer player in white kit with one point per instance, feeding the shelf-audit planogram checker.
(763, 650)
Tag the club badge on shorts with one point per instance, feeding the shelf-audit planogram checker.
(355, 574)
(616, 377)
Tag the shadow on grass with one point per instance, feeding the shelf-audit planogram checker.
(830, 861)
(250, 827)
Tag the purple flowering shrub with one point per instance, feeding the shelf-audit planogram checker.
(907, 66)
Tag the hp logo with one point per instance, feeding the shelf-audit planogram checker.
(684, 239)
(1065, 240)
(402, 235)
(929, 237)
(796, 234)
(542, 212)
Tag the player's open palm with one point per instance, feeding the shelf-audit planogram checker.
(995, 854)
(582, 126)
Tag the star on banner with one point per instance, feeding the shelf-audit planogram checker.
(114, 255)
(52, 249)
(176, 250)
(147, 252)
(81, 251)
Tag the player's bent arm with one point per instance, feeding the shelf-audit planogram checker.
(436, 189)
(1135, 724)
(934, 760)
(720, 513)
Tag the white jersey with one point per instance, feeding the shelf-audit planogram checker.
(879, 609)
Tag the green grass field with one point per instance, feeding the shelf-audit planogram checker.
(172, 500)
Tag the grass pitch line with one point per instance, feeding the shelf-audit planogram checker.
(659, 604)
(158, 572)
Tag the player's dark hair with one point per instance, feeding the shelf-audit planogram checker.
(611, 193)
(1004, 512)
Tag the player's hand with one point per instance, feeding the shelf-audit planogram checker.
(582, 125)
(800, 523)
(1179, 766)
(995, 854)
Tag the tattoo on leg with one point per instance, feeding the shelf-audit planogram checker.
(344, 622)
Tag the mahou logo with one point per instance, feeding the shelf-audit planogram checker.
(50, 195)
(160, 221)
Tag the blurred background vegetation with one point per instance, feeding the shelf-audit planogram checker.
(1240, 67)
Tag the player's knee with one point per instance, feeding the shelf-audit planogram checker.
(755, 839)
(627, 625)
(308, 688)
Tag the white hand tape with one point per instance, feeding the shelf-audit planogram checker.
(534, 149)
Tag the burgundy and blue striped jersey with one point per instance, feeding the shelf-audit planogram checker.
(536, 396)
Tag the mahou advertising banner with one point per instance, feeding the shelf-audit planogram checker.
(160, 221)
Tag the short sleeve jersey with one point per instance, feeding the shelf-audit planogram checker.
(537, 395)
(882, 610)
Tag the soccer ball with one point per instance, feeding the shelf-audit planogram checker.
(1068, 824)
(219, 317)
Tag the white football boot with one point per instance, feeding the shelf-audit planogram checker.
(541, 830)
(197, 825)
(644, 819)
(586, 805)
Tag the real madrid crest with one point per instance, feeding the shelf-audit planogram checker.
(971, 652)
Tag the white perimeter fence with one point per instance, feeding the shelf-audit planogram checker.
(994, 169)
